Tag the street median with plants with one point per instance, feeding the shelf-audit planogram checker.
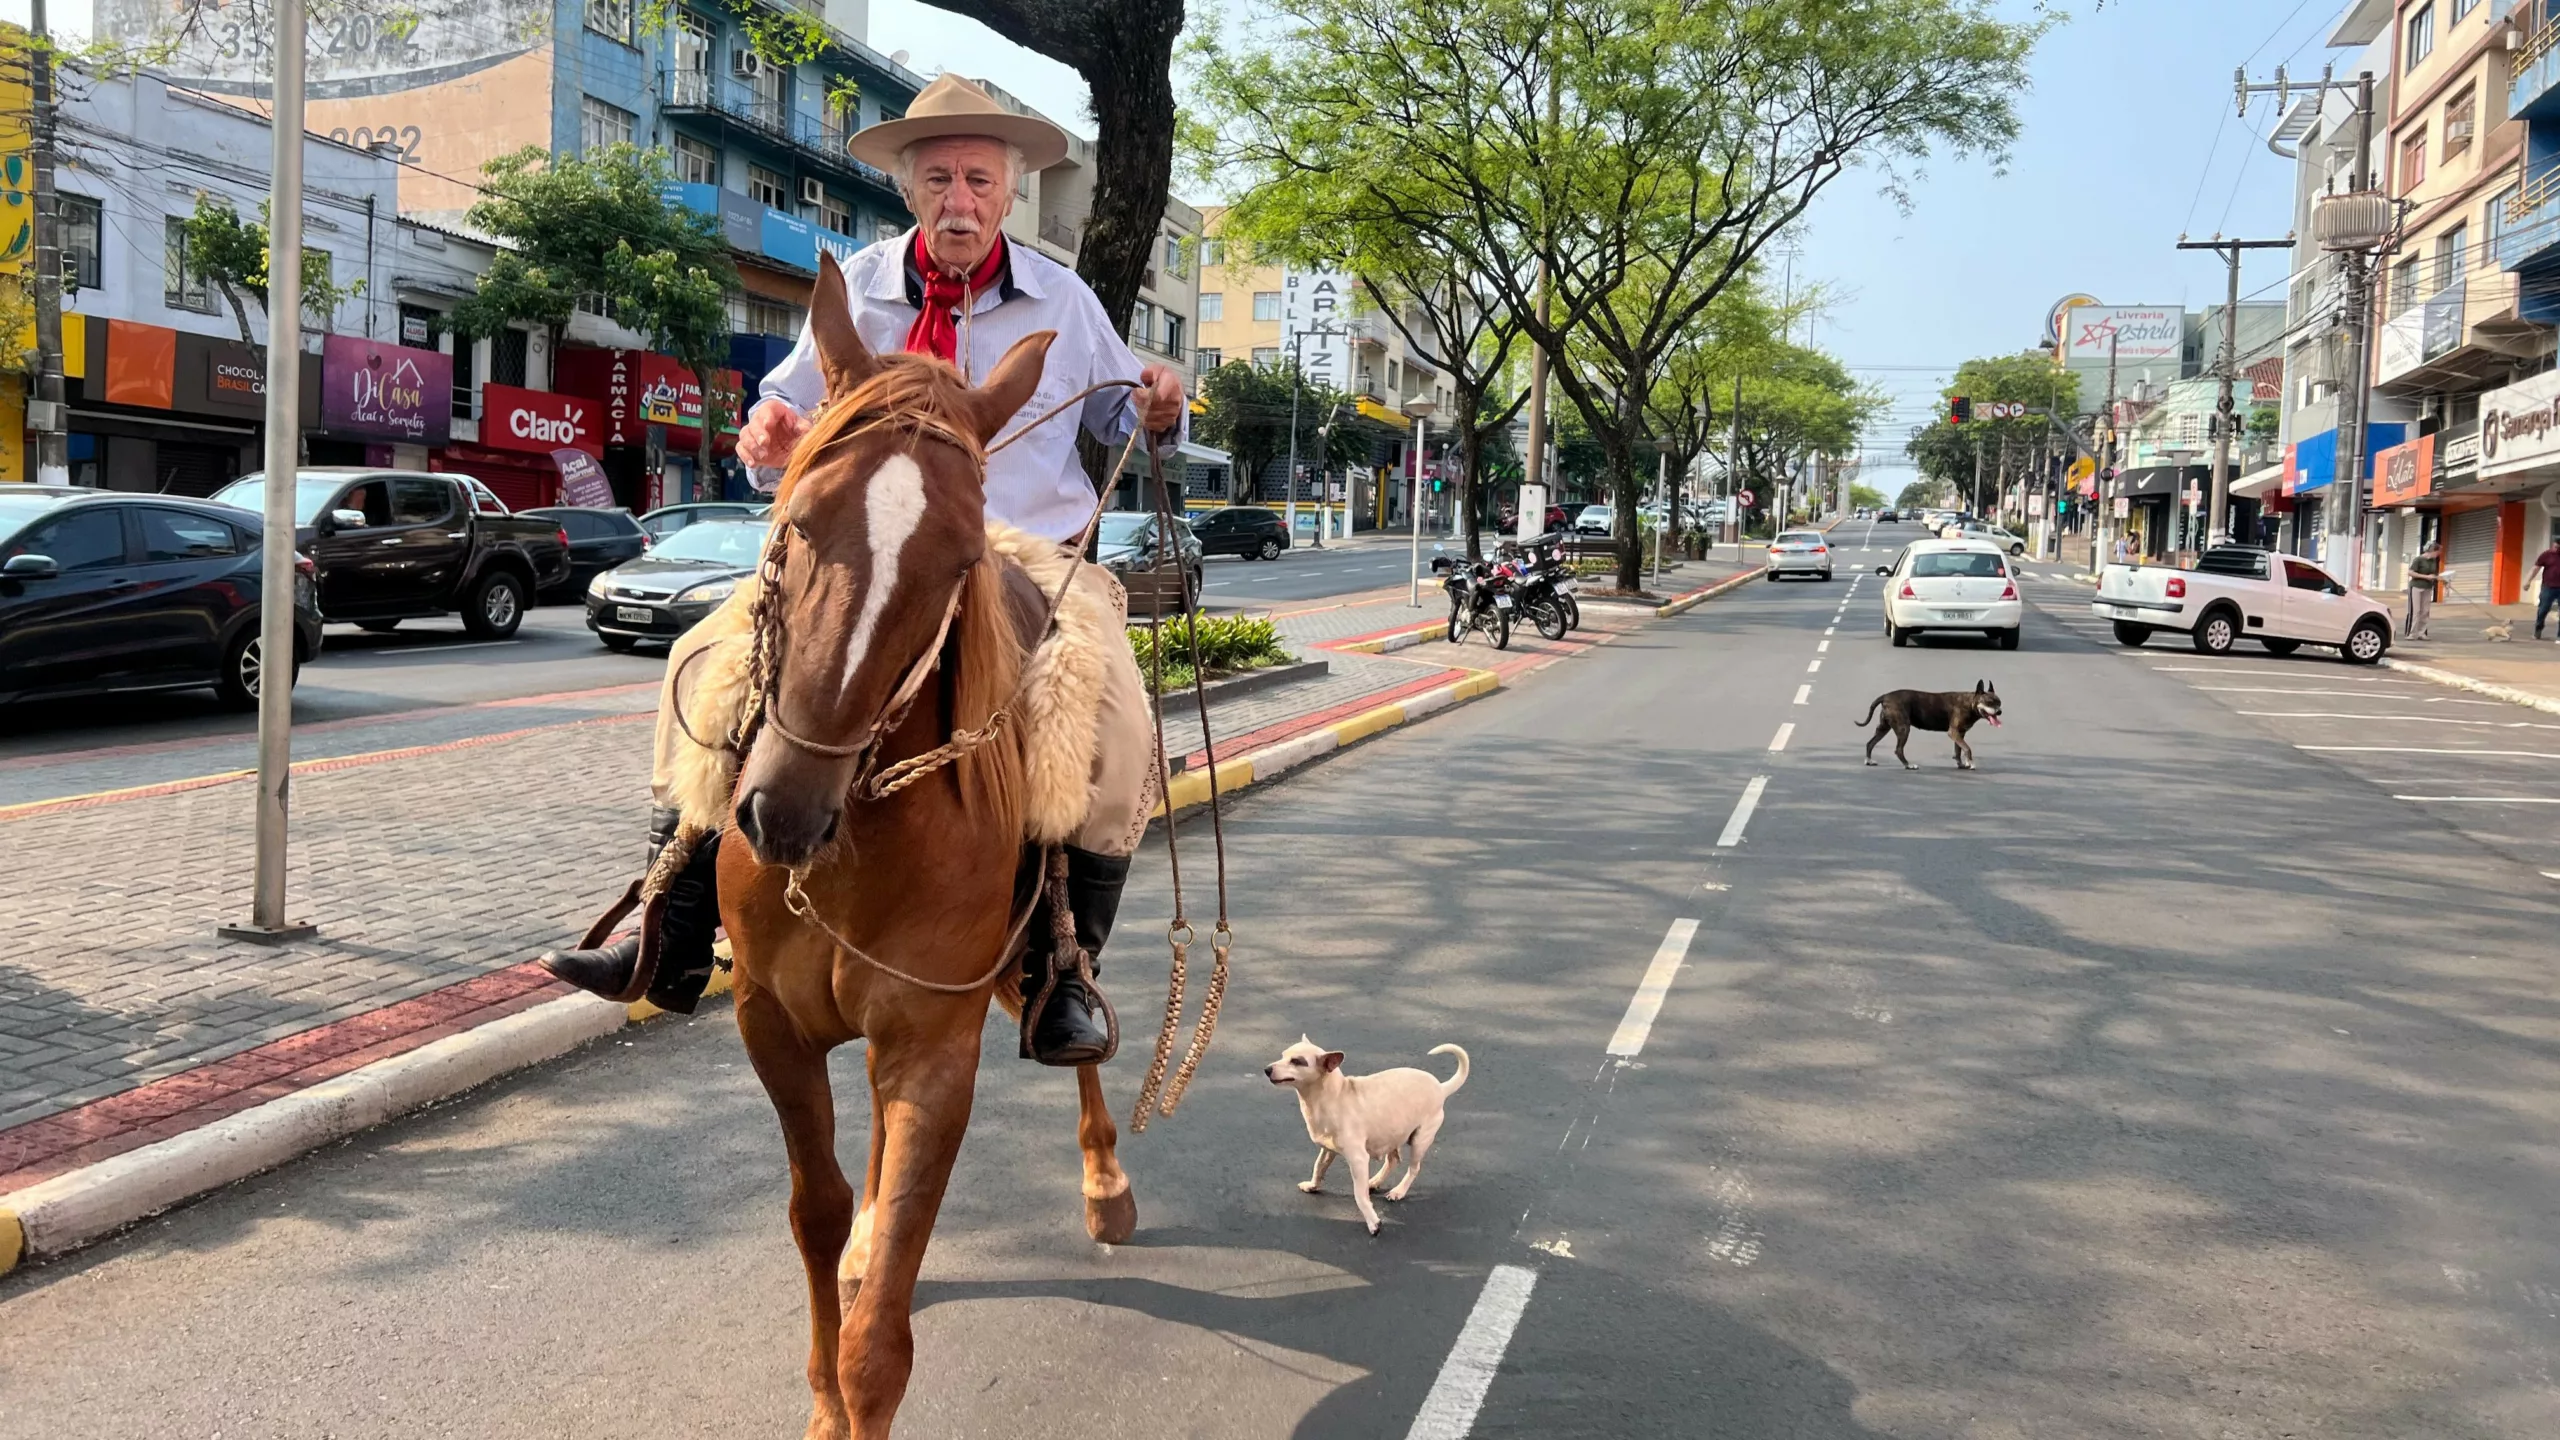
(1229, 645)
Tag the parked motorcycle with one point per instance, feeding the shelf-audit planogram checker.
(1479, 599)
(1543, 584)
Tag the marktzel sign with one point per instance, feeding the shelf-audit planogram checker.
(2520, 426)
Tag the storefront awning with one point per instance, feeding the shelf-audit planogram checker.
(2159, 480)
(1199, 454)
(2258, 483)
(1372, 410)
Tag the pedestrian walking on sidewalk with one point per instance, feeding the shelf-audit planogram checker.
(2425, 573)
(2547, 565)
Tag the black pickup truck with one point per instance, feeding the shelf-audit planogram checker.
(392, 545)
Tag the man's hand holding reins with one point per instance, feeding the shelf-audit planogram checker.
(1159, 398)
(773, 429)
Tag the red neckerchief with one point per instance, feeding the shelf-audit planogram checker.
(935, 332)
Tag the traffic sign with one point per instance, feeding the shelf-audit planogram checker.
(1744, 497)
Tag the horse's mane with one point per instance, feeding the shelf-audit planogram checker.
(900, 384)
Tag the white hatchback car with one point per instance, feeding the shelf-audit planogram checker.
(1987, 533)
(1951, 585)
(1800, 552)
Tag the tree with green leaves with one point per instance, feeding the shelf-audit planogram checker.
(230, 254)
(594, 228)
(1958, 453)
(1734, 337)
(1661, 144)
(1246, 414)
(1796, 403)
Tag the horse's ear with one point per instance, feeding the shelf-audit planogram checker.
(1010, 384)
(842, 359)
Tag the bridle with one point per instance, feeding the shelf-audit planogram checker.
(764, 672)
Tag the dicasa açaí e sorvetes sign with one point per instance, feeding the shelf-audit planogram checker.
(374, 390)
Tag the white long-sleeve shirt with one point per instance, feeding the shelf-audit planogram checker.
(1038, 483)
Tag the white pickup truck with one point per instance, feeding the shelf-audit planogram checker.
(2238, 593)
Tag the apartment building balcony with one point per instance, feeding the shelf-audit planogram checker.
(2533, 85)
(2455, 339)
(741, 104)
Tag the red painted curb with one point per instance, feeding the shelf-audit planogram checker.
(41, 1149)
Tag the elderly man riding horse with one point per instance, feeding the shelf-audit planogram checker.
(954, 287)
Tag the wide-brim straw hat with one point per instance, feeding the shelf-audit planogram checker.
(953, 106)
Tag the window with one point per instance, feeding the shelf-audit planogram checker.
(2497, 221)
(466, 352)
(2452, 253)
(836, 215)
(696, 162)
(2460, 9)
(886, 229)
(509, 357)
(2458, 123)
(420, 502)
(1174, 261)
(690, 82)
(80, 218)
(768, 187)
(1213, 251)
(1957, 564)
(773, 93)
(1211, 360)
(1142, 324)
(1266, 304)
(2422, 37)
(184, 535)
(484, 501)
(1173, 335)
(1266, 357)
(88, 539)
(600, 124)
(2301, 576)
(755, 315)
(2413, 161)
(610, 18)
(2404, 286)
(185, 292)
(1213, 307)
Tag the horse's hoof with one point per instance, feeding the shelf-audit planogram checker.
(1112, 1219)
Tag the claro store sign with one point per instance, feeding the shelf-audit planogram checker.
(2520, 425)
(538, 421)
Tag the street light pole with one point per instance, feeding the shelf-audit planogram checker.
(1420, 410)
(268, 922)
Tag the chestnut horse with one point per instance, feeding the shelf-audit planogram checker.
(890, 631)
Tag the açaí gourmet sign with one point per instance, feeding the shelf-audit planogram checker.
(371, 390)
(2520, 425)
(536, 420)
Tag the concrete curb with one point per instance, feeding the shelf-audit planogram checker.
(1702, 595)
(1389, 642)
(1191, 788)
(70, 1210)
(2458, 681)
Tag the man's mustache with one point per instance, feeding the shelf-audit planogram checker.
(955, 225)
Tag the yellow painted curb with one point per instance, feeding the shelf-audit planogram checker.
(1478, 682)
(1191, 787)
(13, 1241)
(1377, 644)
(1367, 723)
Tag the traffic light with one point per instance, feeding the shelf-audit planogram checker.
(1959, 410)
(1438, 484)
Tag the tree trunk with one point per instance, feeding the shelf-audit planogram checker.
(239, 312)
(1470, 453)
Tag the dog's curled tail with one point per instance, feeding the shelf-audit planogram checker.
(1877, 704)
(1450, 1085)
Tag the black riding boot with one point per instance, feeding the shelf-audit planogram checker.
(688, 919)
(1071, 1029)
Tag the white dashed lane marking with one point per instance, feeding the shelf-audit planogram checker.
(1784, 731)
(1449, 1411)
(1803, 694)
(1742, 809)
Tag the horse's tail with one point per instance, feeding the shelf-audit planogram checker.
(1450, 1086)
(1871, 712)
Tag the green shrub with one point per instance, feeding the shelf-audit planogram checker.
(1228, 643)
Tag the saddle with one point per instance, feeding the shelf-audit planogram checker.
(1055, 716)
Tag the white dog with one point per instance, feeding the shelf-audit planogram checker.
(1366, 1118)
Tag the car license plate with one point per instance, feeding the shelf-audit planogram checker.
(1958, 614)
(1501, 602)
(635, 615)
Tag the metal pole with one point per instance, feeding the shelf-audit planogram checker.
(2106, 469)
(50, 461)
(1733, 476)
(267, 919)
(1292, 471)
(2348, 485)
(1413, 504)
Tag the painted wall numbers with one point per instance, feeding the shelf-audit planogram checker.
(400, 140)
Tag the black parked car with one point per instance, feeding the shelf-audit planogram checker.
(394, 544)
(1242, 530)
(684, 577)
(102, 591)
(598, 541)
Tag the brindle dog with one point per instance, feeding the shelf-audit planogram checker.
(1951, 711)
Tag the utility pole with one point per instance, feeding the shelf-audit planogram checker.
(2227, 369)
(268, 922)
(1291, 505)
(50, 461)
(2106, 467)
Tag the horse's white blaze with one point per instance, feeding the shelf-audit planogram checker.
(894, 507)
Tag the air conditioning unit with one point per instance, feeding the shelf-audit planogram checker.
(2457, 132)
(811, 192)
(745, 63)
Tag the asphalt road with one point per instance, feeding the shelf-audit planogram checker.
(2161, 1078)
(1304, 573)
